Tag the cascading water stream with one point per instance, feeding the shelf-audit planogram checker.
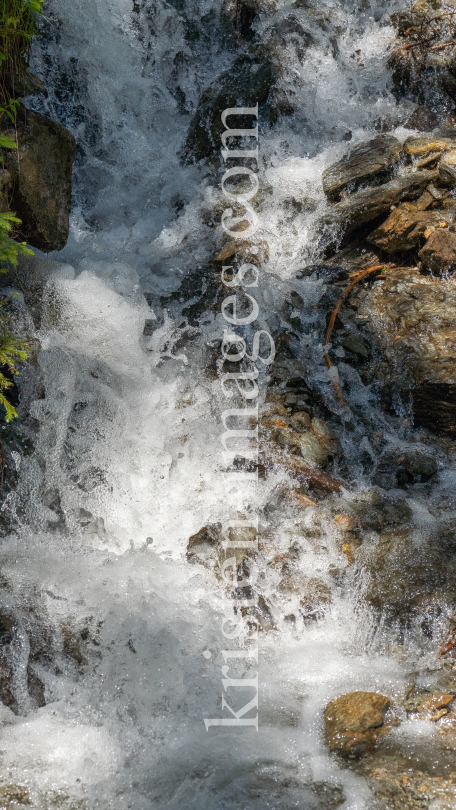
(126, 466)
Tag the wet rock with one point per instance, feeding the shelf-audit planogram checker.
(369, 162)
(403, 230)
(312, 451)
(306, 442)
(365, 206)
(41, 180)
(204, 546)
(315, 599)
(356, 344)
(403, 466)
(312, 478)
(344, 523)
(248, 82)
(300, 421)
(410, 318)
(409, 571)
(425, 201)
(325, 436)
(447, 173)
(434, 407)
(261, 614)
(288, 370)
(439, 252)
(255, 254)
(427, 706)
(302, 500)
(354, 258)
(422, 147)
(354, 722)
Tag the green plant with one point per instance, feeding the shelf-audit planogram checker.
(18, 22)
(12, 349)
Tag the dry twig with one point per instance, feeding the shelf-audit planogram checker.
(357, 277)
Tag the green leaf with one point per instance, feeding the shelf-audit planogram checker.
(6, 142)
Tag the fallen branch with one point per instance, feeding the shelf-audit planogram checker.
(448, 643)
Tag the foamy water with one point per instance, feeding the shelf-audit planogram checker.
(99, 587)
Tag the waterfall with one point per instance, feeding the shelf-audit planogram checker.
(117, 648)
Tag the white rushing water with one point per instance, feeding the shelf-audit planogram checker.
(110, 615)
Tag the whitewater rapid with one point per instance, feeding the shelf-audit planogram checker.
(111, 616)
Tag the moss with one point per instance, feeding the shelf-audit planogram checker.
(18, 24)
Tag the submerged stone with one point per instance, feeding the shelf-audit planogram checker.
(249, 81)
(400, 466)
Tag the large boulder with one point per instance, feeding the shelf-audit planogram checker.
(41, 172)
(354, 722)
(247, 82)
(410, 318)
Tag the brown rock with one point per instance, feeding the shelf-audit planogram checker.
(410, 319)
(255, 254)
(204, 546)
(302, 500)
(344, 522)
(424, 202)
(366, 162)
(403, 230)
(353, 723)
(439, 252)
(311, 478)
(301, 421)
(434, 707)
(349, 549)
(418, 147)
(365, 206)
(41, 179)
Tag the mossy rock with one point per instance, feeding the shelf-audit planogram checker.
(41, 179)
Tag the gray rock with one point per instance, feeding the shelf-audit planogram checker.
(356, 344)
(312, 451)
(401, 466)
(447, 173)
(365, 206)
(247, 82)
(354, 258)
(373, 161)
